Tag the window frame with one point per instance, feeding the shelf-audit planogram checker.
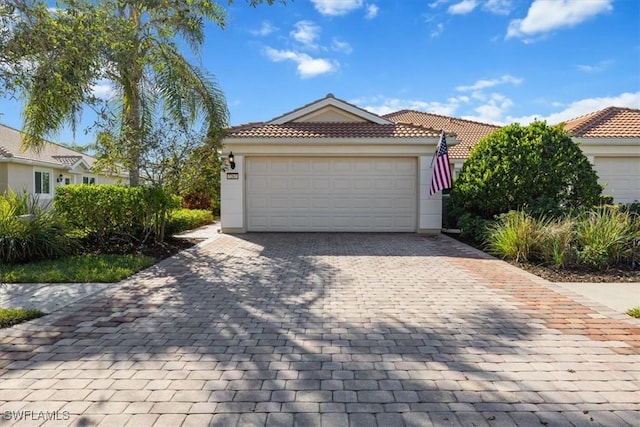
(42, 172)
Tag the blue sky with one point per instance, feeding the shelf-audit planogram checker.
(494, 61)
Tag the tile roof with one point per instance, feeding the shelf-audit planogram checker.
(11, 147)
(467, 132)
(67, 160)
(331, 130)
(610, 122)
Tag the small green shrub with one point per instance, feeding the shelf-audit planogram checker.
(555, 242)
(29, 231)
(634, 312)
(13, 316)
(514, 236)
(605, 237)
(473, 227)
(107, 213)
(188, 219)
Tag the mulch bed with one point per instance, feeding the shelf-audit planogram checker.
(620, 274)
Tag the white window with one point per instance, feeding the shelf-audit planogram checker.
(42, 182)
(88, 180)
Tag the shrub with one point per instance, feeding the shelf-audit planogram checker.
(605, 237)
(473, 228)
(108, 213)
(514, 236)
(29, 231)
(555, 242)
(196, 201)
(536, 166)
(187, 219)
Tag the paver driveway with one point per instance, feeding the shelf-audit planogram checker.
(324, 329)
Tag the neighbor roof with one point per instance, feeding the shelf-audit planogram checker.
(57, 155)
(467, 132)
(331, 130)
(610, 122)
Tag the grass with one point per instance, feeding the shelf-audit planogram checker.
(13, 316)
(105, 268)
(634, 312)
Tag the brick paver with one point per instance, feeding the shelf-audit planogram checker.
(324, 329)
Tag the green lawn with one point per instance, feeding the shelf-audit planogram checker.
(13, 316)
(77, 269)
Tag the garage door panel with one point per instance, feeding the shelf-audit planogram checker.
(621, 176)
(331, 194)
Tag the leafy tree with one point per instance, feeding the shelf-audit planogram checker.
(535, 166)
(53, 57)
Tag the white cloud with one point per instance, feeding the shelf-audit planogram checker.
(372, 11)
(484, 84)
(492, 111)
(462, 8)
(545, 16)
(341, 46)
(307, 66)
(582, 107)
(595, 68)
(437, 3)
(383, 105)
(265, 29)
(499, 7)
(437, 30)
(307, 33)
(103, 89)
(336, 7)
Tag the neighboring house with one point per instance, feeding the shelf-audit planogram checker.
(330, 166)
(467, 132)
(610, 138)
(40, 172)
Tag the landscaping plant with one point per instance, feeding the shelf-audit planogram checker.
(535, 167)
(187, 219)
(29, 231)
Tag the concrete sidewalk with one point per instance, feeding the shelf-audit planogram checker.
(617, 296)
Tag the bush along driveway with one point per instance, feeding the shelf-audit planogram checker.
(366, 329)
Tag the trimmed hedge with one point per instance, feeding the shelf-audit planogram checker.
(187, 219)
(115, 212)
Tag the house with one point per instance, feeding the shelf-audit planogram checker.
(610, 138)
(330, 166)
(468, 132)
(40, 172)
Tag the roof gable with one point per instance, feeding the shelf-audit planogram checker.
(329, 109)
(610, 122)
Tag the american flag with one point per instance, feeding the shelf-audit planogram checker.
(441, 177)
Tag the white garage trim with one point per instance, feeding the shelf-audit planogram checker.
(357, 194)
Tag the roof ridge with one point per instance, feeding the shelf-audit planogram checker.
(406, 110)
(80, 153)
(327, 96)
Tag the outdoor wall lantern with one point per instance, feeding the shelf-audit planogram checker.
(232, 161)
(60, 178)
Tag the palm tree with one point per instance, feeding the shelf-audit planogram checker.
(133, 45)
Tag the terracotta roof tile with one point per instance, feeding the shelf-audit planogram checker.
(610, 122)
(331, 130)
(67, 160)
(468, 132)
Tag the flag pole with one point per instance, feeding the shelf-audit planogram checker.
(437, 147)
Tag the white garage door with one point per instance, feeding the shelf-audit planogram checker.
(621, 176)
(331, 194)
